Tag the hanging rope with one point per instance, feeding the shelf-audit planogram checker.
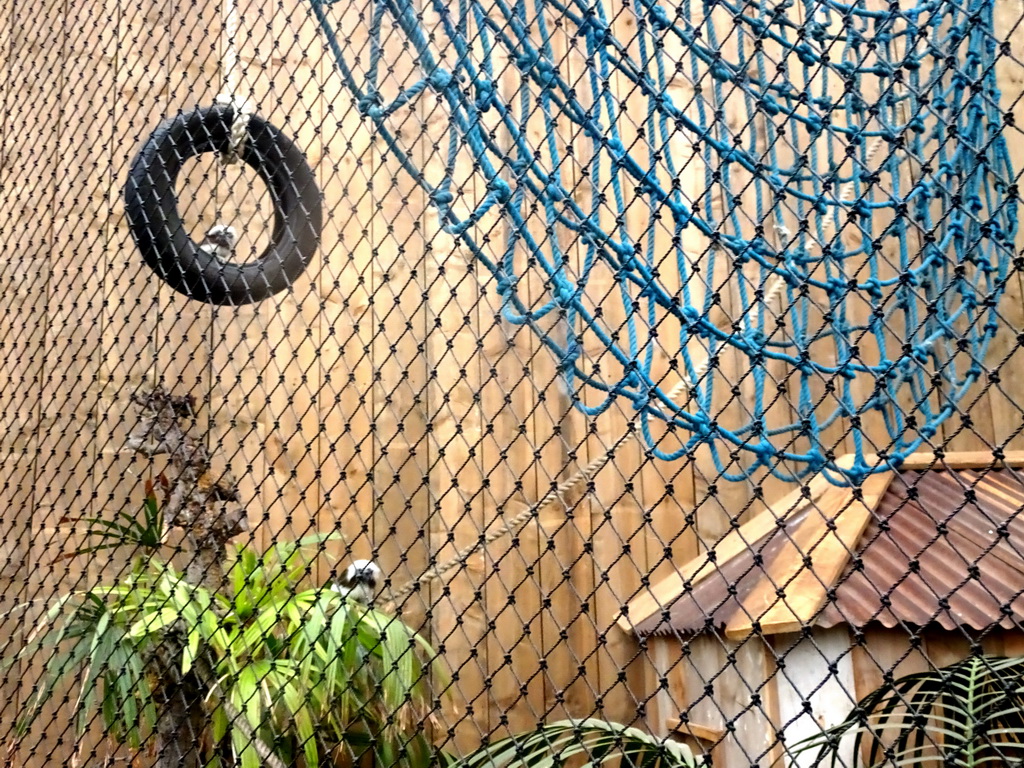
(230, 74)
(513, 525)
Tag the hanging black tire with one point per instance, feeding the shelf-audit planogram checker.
(156, 225)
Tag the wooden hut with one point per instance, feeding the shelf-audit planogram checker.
(794, 616)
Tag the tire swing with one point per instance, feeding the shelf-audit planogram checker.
(199, 271)
(206, 272)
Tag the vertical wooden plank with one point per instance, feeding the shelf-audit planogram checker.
(515, 579)
(661, 706)
(514, 585)
(346, 288)
(776, 757)
(580, 682)
(739, 694)
(666, 490)
(884, 653)
(449, 300)
(805, 677)
(945, 648)
(720, 502)
(129, 294)
(241, 341)
(1006, 390)
(455, 478)
(181, 344)
(757, 210)
(568, 632)
(523, 599)
(70, 380)
(696, 689)
(35, 82)
(278, 75)
(618, 511)
(405, 516)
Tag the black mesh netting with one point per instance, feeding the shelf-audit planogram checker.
(301, 468)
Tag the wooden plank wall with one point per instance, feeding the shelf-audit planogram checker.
(384, 397)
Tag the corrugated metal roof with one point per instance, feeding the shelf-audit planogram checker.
(943, 547)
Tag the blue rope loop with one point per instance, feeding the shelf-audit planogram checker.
(891, 227)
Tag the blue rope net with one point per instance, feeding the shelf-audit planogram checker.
(818, 190)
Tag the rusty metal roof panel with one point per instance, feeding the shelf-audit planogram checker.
(716, 599)
(933, 554)
(943, 547)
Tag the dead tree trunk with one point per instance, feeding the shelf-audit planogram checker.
(196, 505)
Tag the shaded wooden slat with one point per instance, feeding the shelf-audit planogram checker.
(704, 733)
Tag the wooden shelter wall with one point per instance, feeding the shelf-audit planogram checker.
(760, 685)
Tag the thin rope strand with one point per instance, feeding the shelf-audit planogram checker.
(230, 74)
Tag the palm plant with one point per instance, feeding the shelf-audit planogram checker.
(278, 673)
(585, 743)
(966, 715)
(308, 672)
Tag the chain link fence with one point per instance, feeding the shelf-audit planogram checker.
(515, 384)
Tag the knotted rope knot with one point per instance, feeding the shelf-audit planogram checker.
(526, 60)
(368, 105)
(659, 18)
(762, 449)
(623, 250)
(440, 79)
(503, 285)
(564, 294)
(756, 338)
(545, 74)
(643, 391)
(239, 132)
(816, 31)
(500, 189)
(441, 197)
(484, 93)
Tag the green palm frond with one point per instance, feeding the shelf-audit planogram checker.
(142, 533)
(587, 743)
(968, 715)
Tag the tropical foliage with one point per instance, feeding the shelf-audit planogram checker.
(316, 678)
(967, 715)
(580, 742)
(311, 672)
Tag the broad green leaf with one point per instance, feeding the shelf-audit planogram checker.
(305, 730)
(191, 651)
(153, 623)
(244, 749)
(219, 724)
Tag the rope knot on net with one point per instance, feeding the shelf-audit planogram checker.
(814, 195)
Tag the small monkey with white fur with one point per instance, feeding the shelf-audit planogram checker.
(359, 581)
(220, 241)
